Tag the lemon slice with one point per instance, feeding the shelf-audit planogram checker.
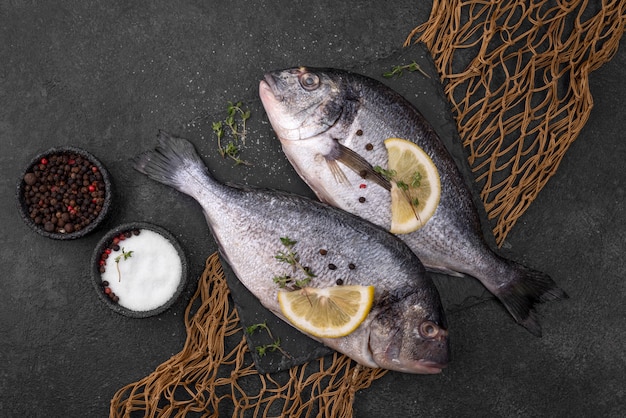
(415, 186)
(331, 312)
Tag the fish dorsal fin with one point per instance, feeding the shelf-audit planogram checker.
(356, 163)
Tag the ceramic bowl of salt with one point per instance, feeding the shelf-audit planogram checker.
(139, 269)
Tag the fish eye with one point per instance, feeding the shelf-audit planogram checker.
(428, 329)
(309, 81)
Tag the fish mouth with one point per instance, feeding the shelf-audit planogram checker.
(268, 89)
(271, 100)
(429, 367)
(431, 359)
(414, 366)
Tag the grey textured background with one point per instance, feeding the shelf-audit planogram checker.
(105, 76)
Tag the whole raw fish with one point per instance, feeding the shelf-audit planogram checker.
(332, 125)
(406, 327)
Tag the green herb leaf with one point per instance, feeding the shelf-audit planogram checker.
(288, 242)
(416, 179)
(292, 258)
(124, 256)
(263, 349)
(257, 327)
(387, 174)
(402, 185)
(282, 281)
(235, 120)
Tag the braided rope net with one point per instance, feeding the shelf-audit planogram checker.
(209, 380)
(516, 75)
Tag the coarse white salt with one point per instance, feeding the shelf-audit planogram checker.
(149, 277)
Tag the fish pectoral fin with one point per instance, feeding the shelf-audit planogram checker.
(338, 173)
(358, 164)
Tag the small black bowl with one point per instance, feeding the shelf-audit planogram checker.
(107, 241)
(73, 156)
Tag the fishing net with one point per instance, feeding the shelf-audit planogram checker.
(516, 75)
(209, 379)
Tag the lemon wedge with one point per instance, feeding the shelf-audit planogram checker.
(330, 312)
(415, 186)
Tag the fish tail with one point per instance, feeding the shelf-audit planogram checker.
(528, 288)
(173, 162)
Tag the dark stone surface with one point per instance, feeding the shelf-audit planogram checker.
(105, 76)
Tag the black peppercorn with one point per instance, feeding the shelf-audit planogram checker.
(30, 179)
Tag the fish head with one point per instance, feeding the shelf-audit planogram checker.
(302, 103)
(408, 333)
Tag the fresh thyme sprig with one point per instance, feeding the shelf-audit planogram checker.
(398, 70)
(415, 183)
(124, 256)
(234, 110)
(235, 125)
(257, 327)
(291, 257)
(263, 349)
(387, 174)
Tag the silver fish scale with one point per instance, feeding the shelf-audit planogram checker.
(406, 327)
(448, 229)
(376, 262)
(451, 241)
(379, 258)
